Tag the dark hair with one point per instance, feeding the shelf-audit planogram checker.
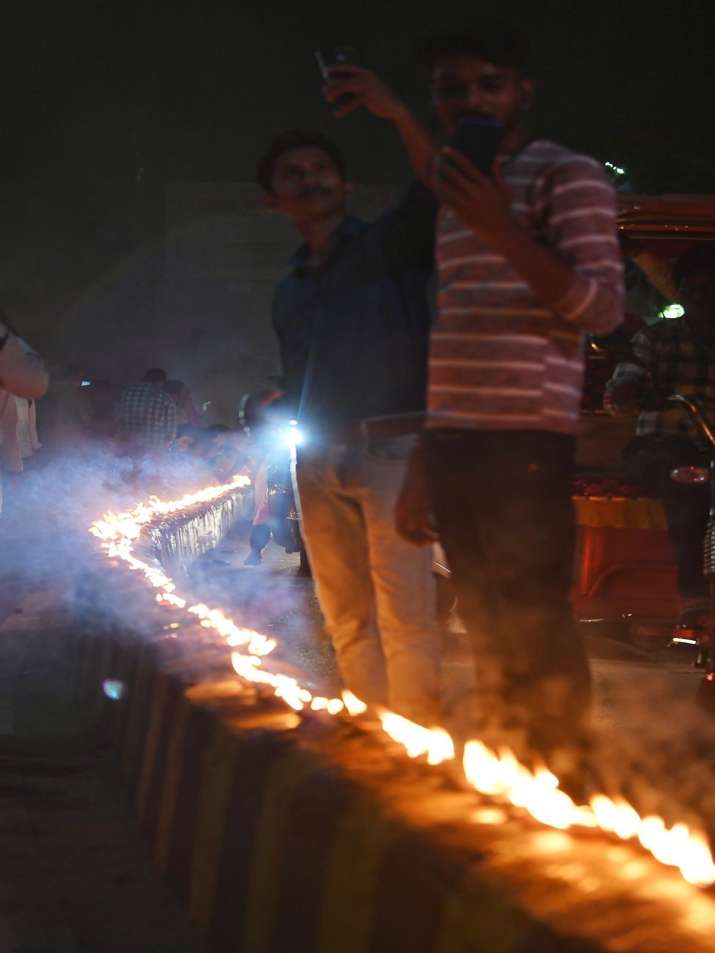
(6, 321)
(695, 259)
(155, 375)
(175, 388)
(487, 39)
(295, 139)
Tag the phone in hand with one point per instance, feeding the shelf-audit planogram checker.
(478, 138)
(330, 58)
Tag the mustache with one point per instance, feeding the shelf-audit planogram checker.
(314, 191)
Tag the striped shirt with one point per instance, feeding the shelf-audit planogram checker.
(678, 363)
(499, 359)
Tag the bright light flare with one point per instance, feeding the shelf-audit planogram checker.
(293, 435)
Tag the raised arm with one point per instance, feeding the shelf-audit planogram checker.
(363, 89)
(577, 272)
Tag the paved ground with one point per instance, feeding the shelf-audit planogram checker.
(628, 681)
(74, 877)
(73, 863)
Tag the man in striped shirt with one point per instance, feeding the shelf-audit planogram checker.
(675, 356)
(528, 261)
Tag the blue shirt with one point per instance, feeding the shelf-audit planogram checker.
(354, 331)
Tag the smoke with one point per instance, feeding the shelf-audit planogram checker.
(48, 509)
(649, 743)
(272, 599)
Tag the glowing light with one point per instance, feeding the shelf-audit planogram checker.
(674, 310)
(293, 436)
(353, 705)
(416, 740)
(114, 689)
(495, 774)
(616, 169)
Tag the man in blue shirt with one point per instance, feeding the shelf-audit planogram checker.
(352, 321)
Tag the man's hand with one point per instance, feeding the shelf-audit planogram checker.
(413, 512)
(481, 203)
(362, 89)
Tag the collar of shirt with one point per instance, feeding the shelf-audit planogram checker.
(348, 228)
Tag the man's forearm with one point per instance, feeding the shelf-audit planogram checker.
(556, 284)
(418, 143)
(548, 277)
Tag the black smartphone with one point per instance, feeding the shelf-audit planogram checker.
(329, 57)
(478, 138)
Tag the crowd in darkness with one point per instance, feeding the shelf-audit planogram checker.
(153, 423)
(461, 429)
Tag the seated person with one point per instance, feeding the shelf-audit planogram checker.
(675, 355)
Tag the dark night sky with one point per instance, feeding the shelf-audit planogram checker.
(194, 91)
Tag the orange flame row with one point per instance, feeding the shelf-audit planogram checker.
(498, 775)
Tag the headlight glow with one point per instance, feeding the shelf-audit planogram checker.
(293, 436)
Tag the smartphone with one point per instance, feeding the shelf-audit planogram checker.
(331, 56)
(478, 138)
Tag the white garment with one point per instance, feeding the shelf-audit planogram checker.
(21, 373)
(27, 427)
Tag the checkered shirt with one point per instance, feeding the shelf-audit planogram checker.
(146, 416)
(678, 363)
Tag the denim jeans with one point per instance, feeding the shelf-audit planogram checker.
(376, 591)
(502, 503)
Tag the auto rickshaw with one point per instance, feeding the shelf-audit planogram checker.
(624, 573)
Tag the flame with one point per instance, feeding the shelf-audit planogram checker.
(416, 740)
(353, 705)
(501, 775)
(496, 774)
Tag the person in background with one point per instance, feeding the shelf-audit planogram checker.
(352, 322)
(675, 355)
(22, 375)
(528, 261)
(146, 416)
(66, 414)
(186, 413)
(258, 446)
(27, 427)
(224, 451)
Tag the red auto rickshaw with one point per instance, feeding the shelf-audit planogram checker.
(624, 576)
